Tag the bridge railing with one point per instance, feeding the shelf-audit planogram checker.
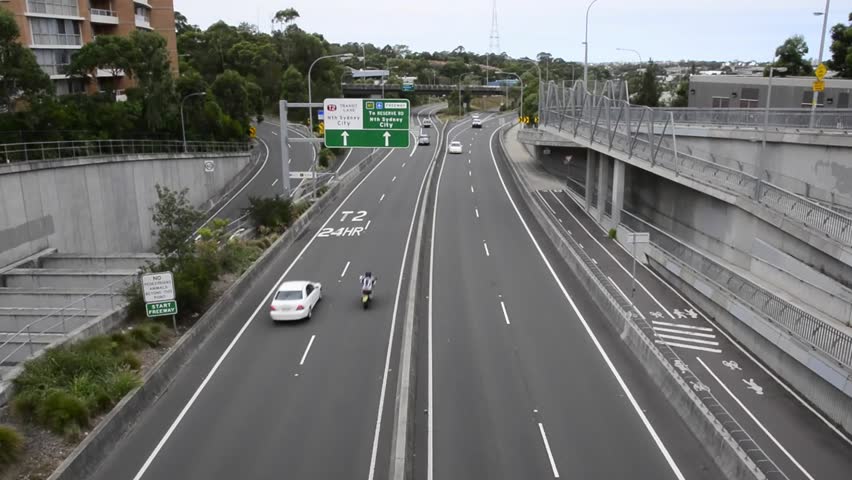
(35, 151)
(636, 132)
(829, 119)
(424, 87)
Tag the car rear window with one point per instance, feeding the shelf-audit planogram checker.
(289, 295)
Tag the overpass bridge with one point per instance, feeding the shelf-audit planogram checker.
(351, 89)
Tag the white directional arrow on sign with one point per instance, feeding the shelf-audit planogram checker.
(387, 136)
(345, 136)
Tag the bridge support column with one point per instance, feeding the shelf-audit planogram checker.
(603, 184)
(591, 155)
(617, 191)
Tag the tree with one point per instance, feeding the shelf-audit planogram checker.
(285, 16)
(19, 71)
(791, 54)
(841, 49)
(681, 98)
(149, 62)
(175, 219)
(112, 53)
(293, 88)
(182, 25)
(649, 94)
(231, 93)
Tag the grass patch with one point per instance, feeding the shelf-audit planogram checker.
(64, 388)
(11, 446)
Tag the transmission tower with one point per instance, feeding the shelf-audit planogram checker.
(493, 38)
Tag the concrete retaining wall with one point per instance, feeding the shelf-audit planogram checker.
(86, 458)
(822, 382)
(729, 456)
(98, 205)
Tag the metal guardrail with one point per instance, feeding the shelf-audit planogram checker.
(24, 337)
(35, 151)
(617, 125)
(102, 12)
(806, 327)
(826, 119)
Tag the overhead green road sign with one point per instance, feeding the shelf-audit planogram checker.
(367, 123)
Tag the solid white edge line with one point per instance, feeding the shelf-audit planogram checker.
(755, 420)
(549, 453)
(577, 221)
(430, 425)
(348, 154)
(681, 332)
(650, 428)
(690, 347)
(487, 254)
(668, 337)
(276, 181)
(242, 330)
(505, 315)
(343, 273)
(307, 349)
(375, 450)
(416, 143)
(843, 436)
(623, 295)
(545, 202)
(680, 325)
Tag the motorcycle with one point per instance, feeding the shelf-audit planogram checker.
(365, 299)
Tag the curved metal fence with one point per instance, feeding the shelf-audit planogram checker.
(37, 151)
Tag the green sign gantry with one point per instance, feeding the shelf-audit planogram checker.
(367, 123)
(161, 309)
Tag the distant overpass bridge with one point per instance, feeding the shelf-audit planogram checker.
(350, 89)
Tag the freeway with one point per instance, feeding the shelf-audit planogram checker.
(799, 440)
(309, 399)
(519, 376)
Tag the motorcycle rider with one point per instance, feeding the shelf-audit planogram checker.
(367, 282)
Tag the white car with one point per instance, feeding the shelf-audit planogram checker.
(427, 122)
(295, 300)
(456, 147)
(476, 122)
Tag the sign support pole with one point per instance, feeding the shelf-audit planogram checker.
(285, 148)
(174, 324)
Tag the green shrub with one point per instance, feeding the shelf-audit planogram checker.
(612, 234)
(120, 383)
(297, 209)
(63, 413)
(326, 155)
(238, 255)
(130, 361)
(321, 191)
(135, 299)
(273, 213)
(11, 446)
(193, 282)
(148, 333)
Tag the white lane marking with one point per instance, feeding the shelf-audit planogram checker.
(690, 347)
(274, 133)
(612, 256)
(403, 164)
(505, 315)
(393, 179)
(639, 412)
(308, 349)
(382, 198)
(681, 332)
(594, 261)
(678, 325)
(415, 145)
(430, 406)
(276, 181)
(549, 453)
(468, 161)
(755, 420)
(348, 154)
(625, 296)
(477, 212)
(242, 330)
(546, 204)
(469, 173)
(581, 246)
(471, 189)
(375, 451)
(343, 273)
(487, 254)
(289, 146)
(668, 337)
(368, 225)
(265, 159)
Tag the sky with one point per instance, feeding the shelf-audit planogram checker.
(659, 29)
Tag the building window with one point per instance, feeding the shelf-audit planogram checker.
(721, 102)
(72, 85)
(843, 100)
(53, 62)
(54, 7)
(749, 97)
(51, 31)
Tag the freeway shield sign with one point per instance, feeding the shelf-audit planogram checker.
(367, 123)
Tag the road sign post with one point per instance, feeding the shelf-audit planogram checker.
(158, 290)
(367, 123)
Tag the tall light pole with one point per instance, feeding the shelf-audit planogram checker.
(182, 126)
(772, 70)
(522, 88)
(819, 62)
(310, 93)
(586, 43)
(458, 83)
(634, 51)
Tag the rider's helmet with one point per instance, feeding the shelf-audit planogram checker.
(369, 274)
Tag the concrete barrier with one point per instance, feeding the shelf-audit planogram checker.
(701, 414)
(86, 458)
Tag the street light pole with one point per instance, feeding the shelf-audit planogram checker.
(586, 43)
(772, 70)
(310, 93)
(182, 125)
(819, 62)
(634, 51)
(522, 89)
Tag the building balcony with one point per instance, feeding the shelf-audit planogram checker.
(101, 73)
(98, 15)
(44, 8)
(142, 2)
(57, 40)
(143, 22)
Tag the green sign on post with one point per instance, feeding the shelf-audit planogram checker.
(367, 123)
(161, 309)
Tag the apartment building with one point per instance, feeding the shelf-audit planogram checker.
(55, 29)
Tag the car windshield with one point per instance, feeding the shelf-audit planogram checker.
(455, 144)
(289, 295)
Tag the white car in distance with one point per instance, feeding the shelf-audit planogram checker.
(456, 147)
(295, 300)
